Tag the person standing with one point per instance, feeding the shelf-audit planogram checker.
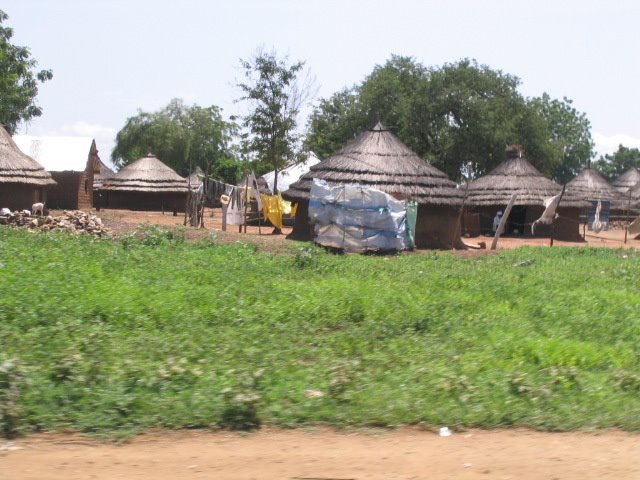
(496, 221)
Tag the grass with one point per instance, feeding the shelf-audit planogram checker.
(115, 337)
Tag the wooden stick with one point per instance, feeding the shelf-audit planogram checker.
(457, 225)
(246, 202)
(553, 224)
(503, 221)
(626, 230)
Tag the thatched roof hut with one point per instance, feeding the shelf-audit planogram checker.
(146, 184)
(377, 158)
(590, 185)
(517, 175)
(627, 180)
(22, 180)
(492, 192)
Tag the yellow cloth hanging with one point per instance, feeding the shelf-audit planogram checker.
(294, 209)
(286, 206)
(272, 208)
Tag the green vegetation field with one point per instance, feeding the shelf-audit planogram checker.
(114, 337)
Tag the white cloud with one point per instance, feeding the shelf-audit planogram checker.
(606, 144)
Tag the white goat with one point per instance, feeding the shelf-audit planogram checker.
(37, 209)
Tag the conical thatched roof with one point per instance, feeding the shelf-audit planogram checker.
(627, 180)
(147, 174)
(590, 185)
(377, 158)
(16, 167)
(517, 175)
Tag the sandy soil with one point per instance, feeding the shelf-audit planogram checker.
(121, 221)
(328, 455)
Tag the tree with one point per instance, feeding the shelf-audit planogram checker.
(615, 164)
(569, 134)
(459, 117)
(183, 137)
(18, 81)
(274, 95)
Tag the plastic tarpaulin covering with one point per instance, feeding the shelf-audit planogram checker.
(356, 218)
(412, 219)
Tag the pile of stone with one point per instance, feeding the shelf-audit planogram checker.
(74, 221)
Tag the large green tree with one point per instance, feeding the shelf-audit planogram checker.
(19, 80)
(569, 135)
(459, 117)
(273, 92)
(613, 165)
(183, 137)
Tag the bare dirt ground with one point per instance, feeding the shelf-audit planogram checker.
(328, 455)
(120, 221)
(324, 454)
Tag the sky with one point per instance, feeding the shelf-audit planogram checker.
(111, 58)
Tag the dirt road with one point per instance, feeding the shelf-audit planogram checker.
(324, 454)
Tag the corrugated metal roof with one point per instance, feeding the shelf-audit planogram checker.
(56, 154)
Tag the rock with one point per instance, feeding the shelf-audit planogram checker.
(73, 221)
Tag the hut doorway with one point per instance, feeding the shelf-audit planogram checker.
(517, 220)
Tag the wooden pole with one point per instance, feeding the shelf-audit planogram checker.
(457, 225)
(626, 230)
(259, 217)
(246, 202)
(553, 224)
(503, 221)
(224, 217)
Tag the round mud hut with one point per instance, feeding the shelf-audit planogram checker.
(146, 184)
(491, 193)
(591, 186)
(23, 181)
(378, 159)
(627, 180)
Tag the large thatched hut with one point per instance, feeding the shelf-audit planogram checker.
(627, 180)
(378, 159)
(591, 186)
(491, 193)
(146, 184)
(23, 181)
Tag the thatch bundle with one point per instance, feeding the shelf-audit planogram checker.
(147, 174)
(18, 168)
(517, 175)
(627, 180)
(590, 185)
(377, 158)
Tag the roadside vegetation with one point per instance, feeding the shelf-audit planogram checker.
(113, 337)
